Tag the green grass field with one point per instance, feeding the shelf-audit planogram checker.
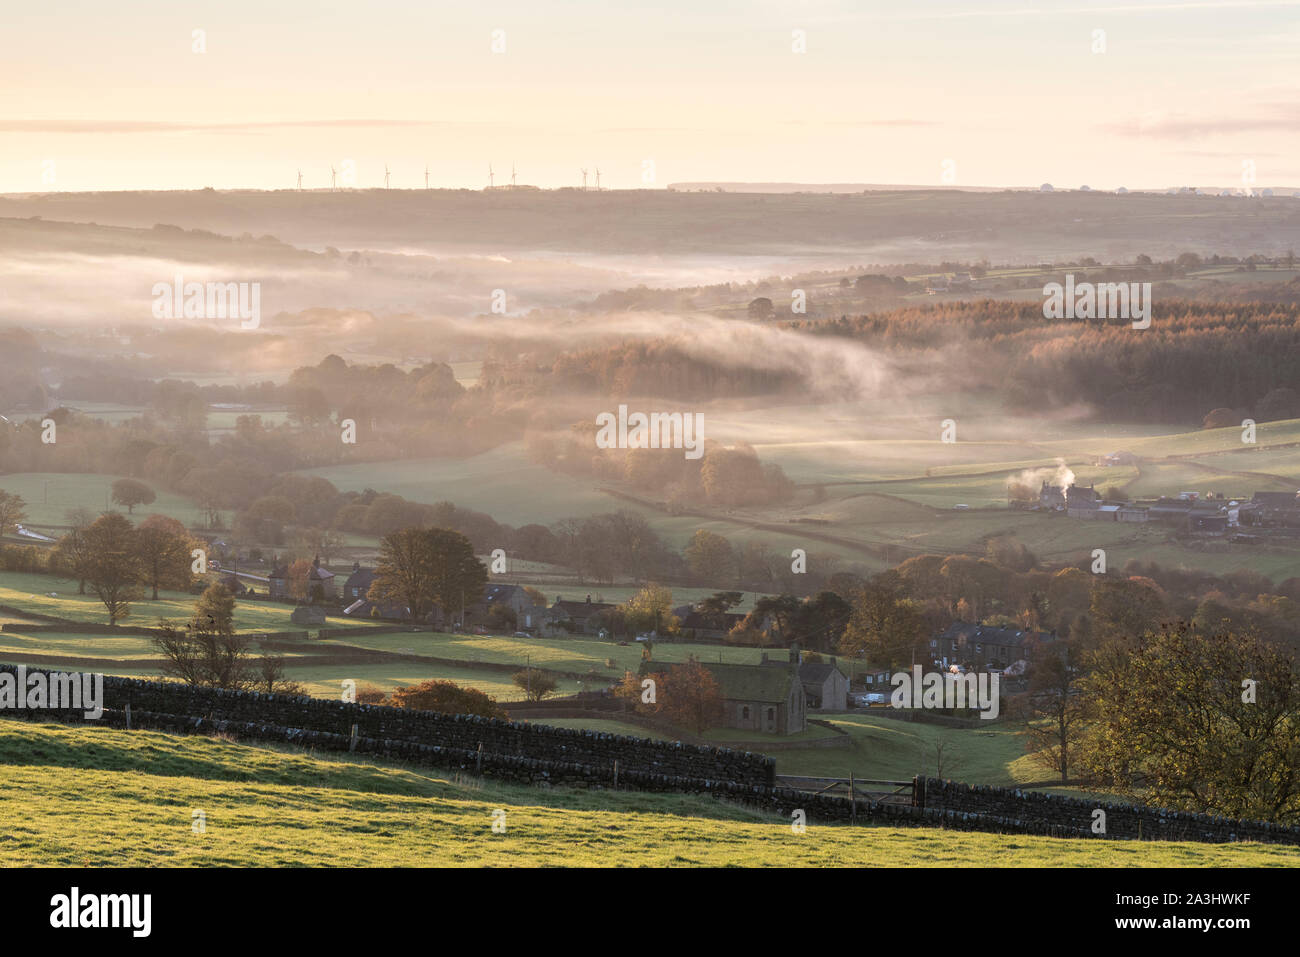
(50, 495)
(102, 798)
(52, 595)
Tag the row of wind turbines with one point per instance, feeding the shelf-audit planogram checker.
(491, 177)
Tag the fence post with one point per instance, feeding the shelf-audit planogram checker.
(853, 801)
(616, 772)
(128, 716)
(352, 745)
(478, 765)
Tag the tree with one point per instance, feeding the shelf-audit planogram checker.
(716, 606)
(112, 566)
(780, 608)
(1057, 706)
(427, 567)
(689, 696)
(1205, 721)
(164, 549)
(650, 609)
(710, 558)
(271, 680)
(535, 684)
(884, 627)
(73, 553)
(204, 655)
(447, 697)
(1221, 418)
(130, 492)
(819, 622)
(1125, 607)
(215, 609)
(11, 511)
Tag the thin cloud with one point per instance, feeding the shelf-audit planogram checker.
(1117, 9)
(1284, 119)
(163, 126)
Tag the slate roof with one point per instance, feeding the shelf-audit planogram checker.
(816, 672)
(740, 682)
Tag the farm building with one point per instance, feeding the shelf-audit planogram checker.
(697, 626)
(320, 582)
(278, 581)
(1131, 513)
(581, 613)
(500, 596)
(1051, 496)
(358, 583)
(768, 697)
(1207, 522)
(984, 646)
(826, 687)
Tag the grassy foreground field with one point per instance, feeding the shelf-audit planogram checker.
(272, 808)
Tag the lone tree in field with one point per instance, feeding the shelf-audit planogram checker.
(206, 651)
(535, 684)
(165, 548)
(1197, 720)
(131, 493)
(427, 567)
(113, 564)
(216, 609)
(11, 511)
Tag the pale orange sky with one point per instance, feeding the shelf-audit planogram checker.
(100, 97)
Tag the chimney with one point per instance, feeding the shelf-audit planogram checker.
(763, 660)
(588, 599)
(356, 566)
(796, 656)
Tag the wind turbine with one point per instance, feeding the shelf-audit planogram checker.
(512, 174)
(333, 176)
(385, 176)
(426, 175)
(584, 178)
(300, 179)
(598, 179)
(491, 177)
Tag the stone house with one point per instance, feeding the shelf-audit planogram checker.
(825, 686)
(581, 613)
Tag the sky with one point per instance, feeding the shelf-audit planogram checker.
(962, 92)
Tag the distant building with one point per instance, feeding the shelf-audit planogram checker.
(1051, 497)
(358, 583)
(768, 697)
(1082, 502)
(825, 687)
(581, 613)
(278, 581)
(984, 646)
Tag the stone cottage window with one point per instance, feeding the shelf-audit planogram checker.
(744, 712)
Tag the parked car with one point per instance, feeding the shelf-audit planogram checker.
(522, 634)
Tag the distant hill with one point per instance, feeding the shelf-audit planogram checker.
(896, 226)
